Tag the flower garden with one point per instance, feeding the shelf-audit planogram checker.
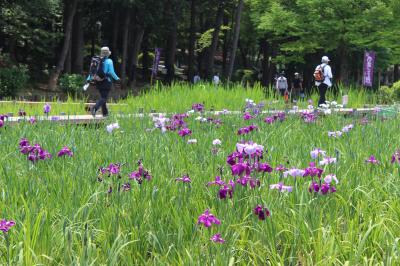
(202, 188)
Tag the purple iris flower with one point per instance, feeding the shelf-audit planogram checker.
(280, 115)
(6, 225)
(198, 107)
(126, 187)
(184, 132)
(313, 171)
(308, 117)
(280, 168)
(294, 172)
(372, 160)
(247, 116)
(217, 238)
(243, 131)
(207, 219)
(252, 128)
(21, 113)
(261, 212)
(324, 188)
(281, 187)
(65, 152)
(112, 169)
(1, 123)
(314, 187)
(184, 179)
(32, 120)
(3, 117)
(264, 167)
(217, 182)
(240, 168)
(43, 154)
(23, 143)
(46, 108)
(269, 120)
(140, 173)
(316, 153)
(234, 157)
(225, 191)
(396, 157)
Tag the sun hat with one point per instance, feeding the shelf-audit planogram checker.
(105, 51)
(325, 59)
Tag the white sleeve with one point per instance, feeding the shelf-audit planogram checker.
(328, 71)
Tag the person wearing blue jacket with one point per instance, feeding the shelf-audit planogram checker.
(104, 86)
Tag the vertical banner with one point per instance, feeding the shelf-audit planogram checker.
(157, 55)
(369, 62)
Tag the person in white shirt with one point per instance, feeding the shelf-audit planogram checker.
(196, 78)
(327, 83)
(282, 84)
(216, 79)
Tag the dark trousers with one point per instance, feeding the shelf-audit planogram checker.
(322, 88)
(104, 88)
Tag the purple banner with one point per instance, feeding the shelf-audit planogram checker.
(369, 62)
(156, 62)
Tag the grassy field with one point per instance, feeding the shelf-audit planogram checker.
(179, 96)
(68, 214)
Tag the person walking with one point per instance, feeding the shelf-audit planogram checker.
(196, 78)
(297, 87)
(216, 79)
(323, 79)
(282, 84)
(103, 80)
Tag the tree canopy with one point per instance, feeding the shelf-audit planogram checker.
(198, 36)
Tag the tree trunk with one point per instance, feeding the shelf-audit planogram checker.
(396, 73)
(235, 39)
(139, 32)
(225, 45)
(68, 60)
(114, 44)
(67, 40)
(243, 54)
(125, 39)
(215, 37)
(145, 58)
(265, 51)
(78, 44)
(170, 51)
(192, 40)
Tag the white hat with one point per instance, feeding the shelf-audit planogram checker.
(297, 73)
(105, 51)
(325, 59)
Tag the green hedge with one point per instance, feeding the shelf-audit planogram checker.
(12, 80)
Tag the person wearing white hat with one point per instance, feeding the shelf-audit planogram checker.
(103, 80)
(323, 78)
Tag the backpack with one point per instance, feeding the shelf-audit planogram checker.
(319, 75)
(96, 70)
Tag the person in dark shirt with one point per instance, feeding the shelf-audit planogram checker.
(297, 87)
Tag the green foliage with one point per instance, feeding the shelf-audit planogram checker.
(386, 95)
(205, 38)
(12, 80)
(245, 76)
(71, 84)
(65, 216)
(389, 94)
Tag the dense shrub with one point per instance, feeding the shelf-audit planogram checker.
(12, 80)
(71, 84)
(245, 76)
(388, 95)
